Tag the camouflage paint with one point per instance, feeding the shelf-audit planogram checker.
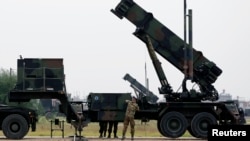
(170, 46)
(43, 78)
(40, 74)
(108, 106)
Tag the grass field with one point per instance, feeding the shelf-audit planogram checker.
(44, 129)
(92, 130)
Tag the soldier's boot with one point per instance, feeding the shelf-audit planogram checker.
(123, 135)
(109, 135)
(115, 136)
(132, 134)
(132, 137)
(124, 131)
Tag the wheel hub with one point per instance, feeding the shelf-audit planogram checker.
(14, 127)
(174, 124)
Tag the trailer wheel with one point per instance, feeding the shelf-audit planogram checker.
(15, 126)
(200, 123)
(173, 124)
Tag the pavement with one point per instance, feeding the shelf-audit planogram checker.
(39, 138)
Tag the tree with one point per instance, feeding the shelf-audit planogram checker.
(8, 80)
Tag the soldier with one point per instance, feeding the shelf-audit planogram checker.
(129, 117)
(111, 124)
(103, 128)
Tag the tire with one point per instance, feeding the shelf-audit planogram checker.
(158, 127)
(200, 123)
(15, 126)
(173, 124)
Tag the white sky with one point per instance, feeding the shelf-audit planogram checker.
(99, 49)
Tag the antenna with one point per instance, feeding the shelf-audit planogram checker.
(146, 74)
(185, 41)
(188, 51)
(146, 77)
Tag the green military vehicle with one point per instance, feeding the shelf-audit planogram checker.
(44, 78)
(15, 122)
(192, 109)
(107, 106)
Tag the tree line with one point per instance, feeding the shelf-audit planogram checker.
(8, 79)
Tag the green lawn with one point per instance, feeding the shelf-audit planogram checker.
(145, 130)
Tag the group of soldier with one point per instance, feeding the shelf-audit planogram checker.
(128, 119)
(108, 126)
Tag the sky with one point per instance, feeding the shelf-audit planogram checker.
(98, 48)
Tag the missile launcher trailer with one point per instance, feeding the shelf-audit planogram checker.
(192, 110)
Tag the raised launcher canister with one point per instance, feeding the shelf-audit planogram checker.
(170, 46)
(143, 93)
(107, 106)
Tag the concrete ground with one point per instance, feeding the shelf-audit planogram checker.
(2, 138)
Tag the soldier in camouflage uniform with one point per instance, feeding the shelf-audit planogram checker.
(129, 117)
